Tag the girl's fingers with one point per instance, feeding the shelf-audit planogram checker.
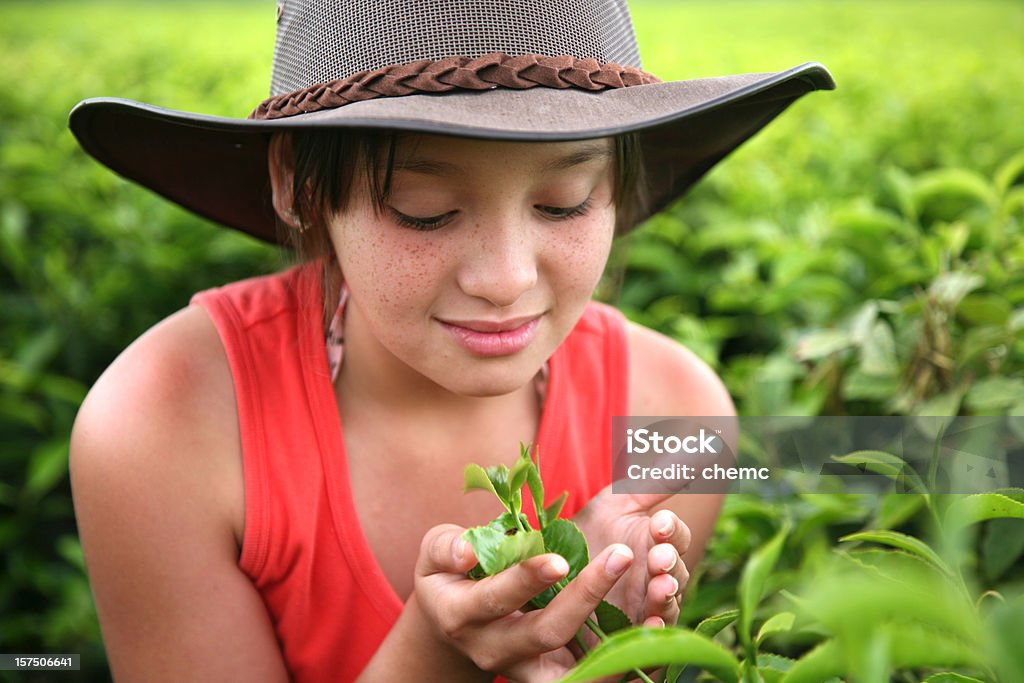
(663, 559)
(556, 624)
(666, 527)
(507, 591)
(443, 550)
(662, 599)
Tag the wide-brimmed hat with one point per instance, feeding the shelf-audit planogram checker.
(556, 70)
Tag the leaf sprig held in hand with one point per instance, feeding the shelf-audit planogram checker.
(509, 538)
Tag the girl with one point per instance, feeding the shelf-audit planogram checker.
(267, 482)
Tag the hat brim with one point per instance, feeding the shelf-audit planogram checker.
(217, 167)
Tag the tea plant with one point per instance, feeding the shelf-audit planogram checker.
(509, 538)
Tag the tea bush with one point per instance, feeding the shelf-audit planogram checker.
(863, 255)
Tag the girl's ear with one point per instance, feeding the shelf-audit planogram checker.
(282, 179)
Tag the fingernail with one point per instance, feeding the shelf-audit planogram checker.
(675, 590)
(664, 525)
(672, 563)
(554, 569)
(618, 562)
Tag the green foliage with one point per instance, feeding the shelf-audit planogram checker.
(863, 255)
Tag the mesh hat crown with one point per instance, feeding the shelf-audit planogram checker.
(488, 69)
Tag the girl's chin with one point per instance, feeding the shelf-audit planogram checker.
(487, 382)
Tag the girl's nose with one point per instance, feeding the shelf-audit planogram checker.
(501, 265)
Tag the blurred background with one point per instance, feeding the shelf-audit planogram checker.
(862, 256)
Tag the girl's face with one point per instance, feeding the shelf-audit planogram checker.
(481, 261)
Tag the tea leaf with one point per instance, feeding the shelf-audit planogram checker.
(499, 477)
(755, 577)
(520, 470)
(536, 486)
(496, 551)
(1011, 172)
(485, 541)
(610, 618)
(712, 626)
(891, 466)
(519, 547)
(777, 623)
(981, 506)
(904, 542)
(1002, 547)
(551, 511)
(644, 647)
(564, 537)
(820, 664)
(950, 677)
(476, 479)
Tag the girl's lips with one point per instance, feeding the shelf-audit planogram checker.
(488, 338)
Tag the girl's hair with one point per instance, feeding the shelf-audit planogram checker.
(327, 164)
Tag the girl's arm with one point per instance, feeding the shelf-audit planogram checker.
(157, 483)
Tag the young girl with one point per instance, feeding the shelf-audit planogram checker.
(268, 483)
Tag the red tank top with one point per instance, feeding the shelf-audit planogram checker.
(304, 549)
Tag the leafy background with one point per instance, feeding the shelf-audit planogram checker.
(863, 255)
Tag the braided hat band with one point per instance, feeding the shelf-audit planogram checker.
(384, 64)
(494, 70)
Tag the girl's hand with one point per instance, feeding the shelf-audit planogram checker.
(651, 590)
(484, 619)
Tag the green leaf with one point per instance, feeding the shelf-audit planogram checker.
(1003, 628)
(994, 394)
(894, 510)
(1002, 547)
(712, 626)
(506, 523)
(982, 506)
(639, 648)
(948, 192)
(820, 664)
(904, 542)
(47, 465)
(754, 579)
(485, 541)
(610, 618)
(551, 511)
(520, 470)
(1009, 173)
(519, 547)
(536, 486)
(886, 464)
(565, 538)
(476, 479)
(777, 623)
(499, 476)
(496, 551)
(951, 288)
(951, 677)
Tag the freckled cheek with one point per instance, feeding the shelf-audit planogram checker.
(581, 257)
(399, 273)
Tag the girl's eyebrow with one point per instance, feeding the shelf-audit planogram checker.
(585, 154)
(582, 155)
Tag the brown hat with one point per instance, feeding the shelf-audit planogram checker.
(489, 69)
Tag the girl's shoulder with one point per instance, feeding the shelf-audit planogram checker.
(666, 378)
(164, 413)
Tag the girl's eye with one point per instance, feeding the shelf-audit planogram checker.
(563, 213)
(425, 224)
